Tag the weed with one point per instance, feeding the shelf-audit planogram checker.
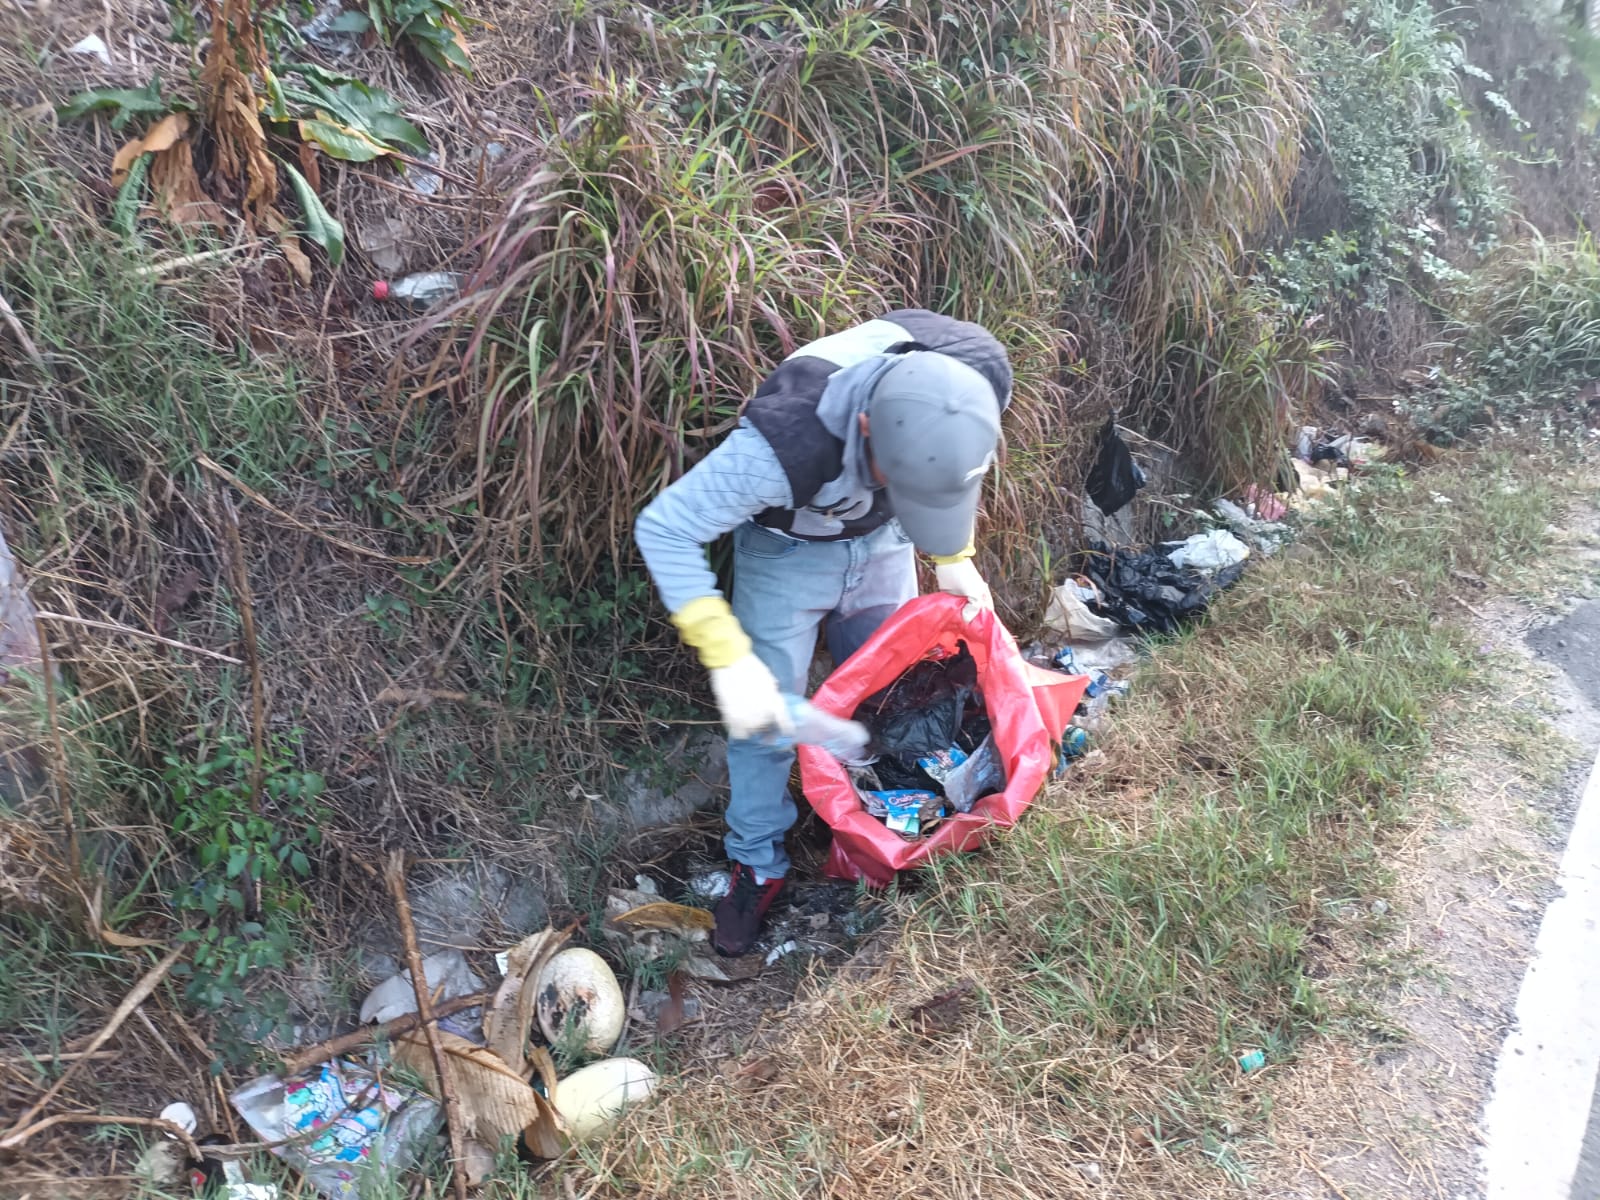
(250, 848)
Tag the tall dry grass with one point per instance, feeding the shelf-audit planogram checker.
(727, 181)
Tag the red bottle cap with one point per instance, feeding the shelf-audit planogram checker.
(380, 289)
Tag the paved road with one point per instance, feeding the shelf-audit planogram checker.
(1543, 1120)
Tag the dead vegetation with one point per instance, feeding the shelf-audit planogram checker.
(388, 558)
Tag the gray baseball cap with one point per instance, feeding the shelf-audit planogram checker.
(934, 423)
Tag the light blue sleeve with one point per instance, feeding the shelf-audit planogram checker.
(738, 479)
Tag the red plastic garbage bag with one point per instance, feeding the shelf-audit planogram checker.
(1027, 707)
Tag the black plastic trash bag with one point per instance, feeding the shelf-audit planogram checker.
(1114, 477)
(1146, 591)
(919, 714)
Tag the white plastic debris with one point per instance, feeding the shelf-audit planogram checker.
(1210, 552)
(93, 45)
(448, 969)
(647, 885)
(1068, 614)
(712, 885)
(181, 1115)
(778, 952)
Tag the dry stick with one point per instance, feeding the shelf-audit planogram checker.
(396, 877)
(346, 1042)
(112, 627)
(59, 755)
(258, 498)
(131, 1001)
(1334, 1187)
(247, 618)
(165, 1126)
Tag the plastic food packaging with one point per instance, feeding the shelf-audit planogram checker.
(339, 1124)
(1026, 708)
(980, 775)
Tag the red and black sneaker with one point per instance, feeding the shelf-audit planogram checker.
(739, 914)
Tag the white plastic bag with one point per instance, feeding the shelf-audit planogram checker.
(1210, 551)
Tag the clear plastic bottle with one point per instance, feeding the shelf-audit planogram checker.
(845, 739)
(420, 291)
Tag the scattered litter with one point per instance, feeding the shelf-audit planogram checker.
(181, 1115)
(494, 151)
(1265, 536)
(982, 774)
(423, 181)
(1253, 1061)
(1210, 552)
(1379, 908)
(1114, 478)
(384, 240)
(1089, 1170)
(591, 1099)
(1145, 590)
(1439, 498)
(1074, 742)
(335, 31)
(1263, 504)
(781, 951)
(818, 921)
(162, 1163)
(420, 291)
(361, 1124)
(645, 884)
(448, 977)
(1069, 614)
(711, 885)
(19, 620)
(93, 45)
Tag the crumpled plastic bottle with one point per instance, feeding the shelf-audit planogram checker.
(846, 740)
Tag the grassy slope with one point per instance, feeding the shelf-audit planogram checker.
(1152, 919)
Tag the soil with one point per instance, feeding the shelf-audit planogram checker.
(1396, 1117)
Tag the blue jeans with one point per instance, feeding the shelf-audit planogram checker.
(784, 590)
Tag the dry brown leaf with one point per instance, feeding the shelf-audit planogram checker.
(548, 1137)
(177, 190)
(671, 1018)
(235, 123)
(122, 162)
(510, 1015)
(295, 257)
(112, 938)
(310, 167)
(667, 917)
(164, 134)
(495, 1101)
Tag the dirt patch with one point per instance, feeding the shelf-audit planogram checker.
(1398, 1119)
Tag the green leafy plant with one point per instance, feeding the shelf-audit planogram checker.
(431, 27)
(245, 897)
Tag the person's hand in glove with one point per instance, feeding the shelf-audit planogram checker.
(748, 699)
(961, 578)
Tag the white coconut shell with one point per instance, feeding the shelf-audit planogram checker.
(579, 982)
(592, 1098)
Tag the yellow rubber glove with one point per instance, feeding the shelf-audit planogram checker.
(709, 626)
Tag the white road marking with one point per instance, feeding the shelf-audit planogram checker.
(1535, 1121)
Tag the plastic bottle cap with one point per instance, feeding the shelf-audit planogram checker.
(380, 289)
